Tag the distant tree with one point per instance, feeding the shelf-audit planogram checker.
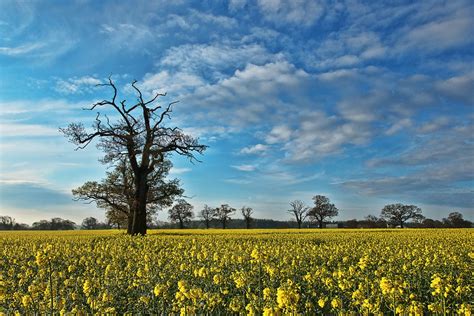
(223, 214)
(139, 135)
(431, 223)
(322, 210)
(247, 214)
(6, 222)
(90, 223)
(399, 213)
(207, 214)
(352, 223)
(456, 220)
(54, 224)
(372, 221)
(41, 225)
(299, 210)
(117, 218)
(116, 193)
(21, 226)
(62, 224)
(181, 212)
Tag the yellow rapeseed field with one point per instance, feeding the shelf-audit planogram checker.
(269, 272)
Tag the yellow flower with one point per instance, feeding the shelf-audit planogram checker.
(322, 301)
(239, 280)
(87, 287)
(182, 286)
(465, 309)
(336, 303)
(267, 293)
(385, 285)
(159, 289)
(271, 311)
(26, 300)
(287, 296)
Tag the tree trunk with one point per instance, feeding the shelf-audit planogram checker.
(247, 223)
(223, 224)
(181, 224)
(207, 224)
(320, 223)
(139, 209)
(299, 224)
(129, 223)
(401, 224)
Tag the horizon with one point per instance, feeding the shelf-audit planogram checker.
(367, 104)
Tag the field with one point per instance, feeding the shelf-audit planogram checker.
(270, 272)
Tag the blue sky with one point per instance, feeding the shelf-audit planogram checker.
(369, 103)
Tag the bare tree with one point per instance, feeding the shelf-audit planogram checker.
(139, 136)
(399, 213)
(322, 210)
(207, 214)
(299, 210)
(116, 193)
(181, 212)
(223, 214)
(247, 214)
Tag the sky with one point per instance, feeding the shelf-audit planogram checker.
(369, 103)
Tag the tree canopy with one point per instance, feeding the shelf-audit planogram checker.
(399, 213)
(181, 212)
(116, 192)
(323, 209)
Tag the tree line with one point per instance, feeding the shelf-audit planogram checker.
(181, 216)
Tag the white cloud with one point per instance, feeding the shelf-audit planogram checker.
(195, 20)
(235, 5)
(218, 20)
(31, 130)
(347, 48)
(297, 12)
(255, 149)
(458, 87)
(319, 135)
(246, 168)
(398, 126)
(20, 50)
(77, 84)
(130, 36)
(165, 81)
(250, 94)
(450, 32)
(178, 171)
(435, 125)
(238, 181)
(278, 134)
(214, 59)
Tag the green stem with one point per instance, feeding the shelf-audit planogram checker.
(51, 286)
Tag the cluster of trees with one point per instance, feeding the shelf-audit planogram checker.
(182, 212)
(392, 215)
(454, 220)
(323, 210)
(56, 223)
